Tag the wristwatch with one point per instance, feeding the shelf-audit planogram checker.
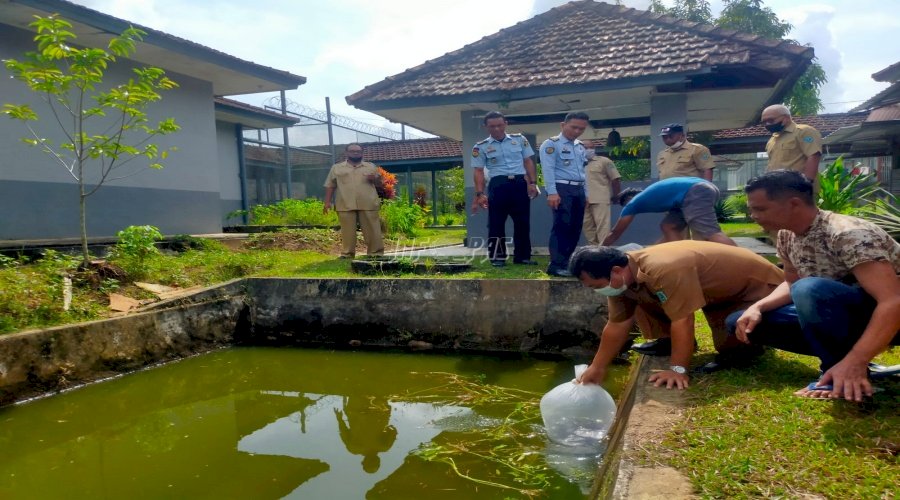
(678, 369)
(479, 193)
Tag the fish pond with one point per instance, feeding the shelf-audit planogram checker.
(250, 422)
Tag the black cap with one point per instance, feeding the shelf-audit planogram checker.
(672, 128)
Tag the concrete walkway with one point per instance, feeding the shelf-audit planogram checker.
(458, 251)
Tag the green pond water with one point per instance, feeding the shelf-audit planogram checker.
(296, 423)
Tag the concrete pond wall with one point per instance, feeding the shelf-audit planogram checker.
(533, 316)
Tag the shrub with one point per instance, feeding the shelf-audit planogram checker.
(737, 205)
(135, 244)
(387, 191)
(724, 212)
(289, 211)
(420, 196)
(401, 217)
(844, 193)
(633, 169)
(885, 213)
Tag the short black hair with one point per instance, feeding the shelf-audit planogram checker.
(576, 115)
(782, 184)
(597, 262)
(491, 115)
(627, 194)
(354, 144)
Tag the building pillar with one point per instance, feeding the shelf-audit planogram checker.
(664, 109)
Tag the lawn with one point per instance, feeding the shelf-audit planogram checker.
(744, 434)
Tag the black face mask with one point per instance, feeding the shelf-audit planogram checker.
(775, 127)
(354, 159)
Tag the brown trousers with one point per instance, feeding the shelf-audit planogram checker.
(596, 223)
(371, 229)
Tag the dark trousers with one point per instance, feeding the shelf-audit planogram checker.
(826, 319)
(509, 198)
(567, 221)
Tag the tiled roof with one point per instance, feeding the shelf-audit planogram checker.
(415, 149)
(601, 42)
(825, 124)
(376, 152)
(884, 114)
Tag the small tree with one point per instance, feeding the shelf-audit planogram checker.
(109, 128)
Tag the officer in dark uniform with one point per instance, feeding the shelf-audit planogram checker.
(562, 160)
(512, 186)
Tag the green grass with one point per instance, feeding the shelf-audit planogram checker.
(748, 229)
(744, 434)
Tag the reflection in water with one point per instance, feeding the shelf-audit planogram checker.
(365, 429)
(265, 423)
(397, 429)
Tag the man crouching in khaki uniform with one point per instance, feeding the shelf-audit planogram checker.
(356, 200)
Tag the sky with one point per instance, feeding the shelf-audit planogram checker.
(342, 46)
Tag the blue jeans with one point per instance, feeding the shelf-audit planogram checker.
(826, 319)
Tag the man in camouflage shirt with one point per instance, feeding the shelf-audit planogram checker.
(841, 298)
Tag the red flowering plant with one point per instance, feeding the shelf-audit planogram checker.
(386, 190)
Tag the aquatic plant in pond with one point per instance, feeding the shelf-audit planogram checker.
(512, 444)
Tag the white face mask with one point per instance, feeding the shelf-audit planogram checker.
(610, 291)
(678, 144)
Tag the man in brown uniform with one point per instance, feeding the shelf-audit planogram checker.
(792, 146)
(356, 200)
(602, 181)
(682, 158)
(667, 283)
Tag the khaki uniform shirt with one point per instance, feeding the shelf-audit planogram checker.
(690, 160)
(790, 148)
(834, 244)
(599, 174)
(675, 279)
(354, 191)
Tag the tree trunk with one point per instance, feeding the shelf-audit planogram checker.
(85, 257)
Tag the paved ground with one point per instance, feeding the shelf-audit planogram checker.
(461, 251)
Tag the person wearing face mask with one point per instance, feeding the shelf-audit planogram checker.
(355, 182)
(660, 287)
(793, 146)
(682, 158)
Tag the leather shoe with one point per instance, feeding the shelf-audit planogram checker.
(656, 347)
(498, 263)
(561, 273)
(526, 262)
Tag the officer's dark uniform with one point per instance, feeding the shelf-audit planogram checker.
(562, 162)
(507, 193)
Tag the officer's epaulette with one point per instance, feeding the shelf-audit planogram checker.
(482, 141)
(514, 135)
(554, 138)
(577, 142)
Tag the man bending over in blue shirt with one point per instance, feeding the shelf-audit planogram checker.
(689, 201)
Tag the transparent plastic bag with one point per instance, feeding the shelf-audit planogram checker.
(578, 414)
